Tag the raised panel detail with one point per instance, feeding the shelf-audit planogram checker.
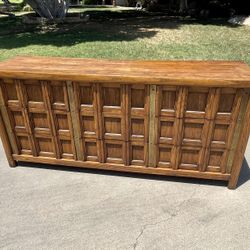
(40, 120)
(34, 91)
(18, 119)
(137, 98)
(66, 147)
(86, 95)
(114, 152)
(111, 96)
(189, 159)
(226, 100)
(166, 129)
(24, 142)
(168, 99)
(193, 131)
(137, 127)
(164, 157)
(58, 94)
(215, 158)
(10, 90)
(91, 149)
(45, 146)
(112, 125)
(88, 124)
(137, 155)
(197, 99)
(220, 132)
(62, 121)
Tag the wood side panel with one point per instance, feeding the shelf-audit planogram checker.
(240, 149)
(237, 131)
(7, 122)
(6, 143)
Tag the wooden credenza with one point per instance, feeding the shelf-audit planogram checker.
(178, 118)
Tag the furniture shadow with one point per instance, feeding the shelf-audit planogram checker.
(244, 175)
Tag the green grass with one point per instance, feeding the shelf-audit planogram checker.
(116, 35)
(13, 1)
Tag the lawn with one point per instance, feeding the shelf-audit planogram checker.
(127, 34)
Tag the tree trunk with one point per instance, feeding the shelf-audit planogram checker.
(183, 6)
(50, 9)
(6, 2)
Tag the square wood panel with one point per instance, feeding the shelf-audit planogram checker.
(137, 127)
(115, 152)
(45, 147)
(18, 119)
(112, 125)
(196, 102)
(92, 150)
(24, 144)
(11, 91)
(40, 120)
(164, 156)
(67, 149)
(217, 160)
(88, 124)
(190, 158)
(62, 121)
(167, 98)
(59, 97)
(111, 96)
(86, 94)
(138, 97)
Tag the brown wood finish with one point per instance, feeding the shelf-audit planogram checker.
(167, 118)
(6, 143)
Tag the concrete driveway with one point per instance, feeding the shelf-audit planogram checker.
(45, 208)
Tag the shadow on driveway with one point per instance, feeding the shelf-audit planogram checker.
(244, 174)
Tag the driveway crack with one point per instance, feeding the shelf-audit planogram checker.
(172, 215)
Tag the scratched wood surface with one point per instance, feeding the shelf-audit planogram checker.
(167, 129)
(201, 73)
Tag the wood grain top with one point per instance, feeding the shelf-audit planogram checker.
(202, 73)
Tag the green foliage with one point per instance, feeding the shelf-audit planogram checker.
(90, 2)
(27, 8)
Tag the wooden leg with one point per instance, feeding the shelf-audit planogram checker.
(12, 163)
(232, 184)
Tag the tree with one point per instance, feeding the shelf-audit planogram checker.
(50, 9)
(6, 2)
(183, 6)
(7, 5)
